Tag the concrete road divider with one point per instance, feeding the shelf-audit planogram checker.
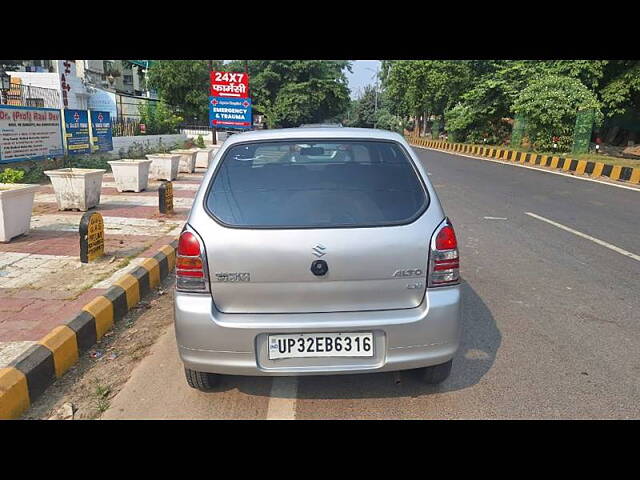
(28, 376)
(579, 167)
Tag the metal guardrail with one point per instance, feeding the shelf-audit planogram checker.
(31, 96)
(125, 127)
(196, 128)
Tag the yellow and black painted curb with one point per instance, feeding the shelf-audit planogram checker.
(28, 376)
(580, 167)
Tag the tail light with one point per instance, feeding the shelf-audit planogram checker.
(444, 263)
(191, 265)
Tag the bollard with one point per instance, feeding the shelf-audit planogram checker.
(165, 197)
(91, 237)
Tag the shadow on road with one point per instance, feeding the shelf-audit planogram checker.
(479, 345)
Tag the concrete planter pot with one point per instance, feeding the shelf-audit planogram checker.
(205, 155)
(16, 203)
(164, 166)
(76, 188)
(131, 175)
(187, 160)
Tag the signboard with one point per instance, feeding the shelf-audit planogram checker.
(229, 84)
(230, 112)
(66, 69)
(29, 133)
(91, 237)
(101, 132)
(76, 126)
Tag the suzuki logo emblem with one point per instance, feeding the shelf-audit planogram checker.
(319, 250)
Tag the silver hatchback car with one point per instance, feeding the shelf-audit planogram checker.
(313, 251)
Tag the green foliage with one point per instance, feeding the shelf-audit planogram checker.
(162, 147)
(158, 118)
(184, 84)
(11, 175)
(200, 142)
(187, 144)
(418, 86)
(35, 174)
(550, 104)
(363, 113)
(292, 92)
(460, 119)
(478, 96)
(91, 161)
(388, 121)
(622, 92)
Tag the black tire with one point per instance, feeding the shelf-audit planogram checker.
(437, 373)
(202, 381)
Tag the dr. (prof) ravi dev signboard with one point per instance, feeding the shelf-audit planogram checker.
(29, 133)
(230, 112)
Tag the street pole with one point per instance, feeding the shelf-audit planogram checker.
(246, 71)
(375, 105)
(214, 132)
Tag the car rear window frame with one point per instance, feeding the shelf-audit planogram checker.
(409, 221)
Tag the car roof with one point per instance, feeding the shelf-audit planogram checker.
(315, 133)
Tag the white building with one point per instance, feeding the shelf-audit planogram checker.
(72, 92)
(88, 84)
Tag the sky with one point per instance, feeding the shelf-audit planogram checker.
(361, 75)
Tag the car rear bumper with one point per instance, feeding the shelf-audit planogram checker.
(236, 344)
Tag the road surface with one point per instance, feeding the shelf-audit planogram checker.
(551, 327)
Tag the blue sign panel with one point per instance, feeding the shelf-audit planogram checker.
(230, 112)
(76, 124)
(101, 131)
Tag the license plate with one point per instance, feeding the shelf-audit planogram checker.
(303, 345)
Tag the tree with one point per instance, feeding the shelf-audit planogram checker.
(158, 118)
(550, 104)
(184, 84)
(497, 84)
(422, 88)
(293, 92)
(621, 89)
(364, 109)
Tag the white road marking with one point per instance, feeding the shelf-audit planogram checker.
(495, 218)
(282, 399)
(588, 237)
(537, 169)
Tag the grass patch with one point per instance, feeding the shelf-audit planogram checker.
(101, 401)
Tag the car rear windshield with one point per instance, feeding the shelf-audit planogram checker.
(306, 184)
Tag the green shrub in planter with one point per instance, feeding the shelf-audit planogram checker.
(91, 161)
(10, 175)
(187, 144)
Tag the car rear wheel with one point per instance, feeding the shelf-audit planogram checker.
(436, 373)
(201, 380)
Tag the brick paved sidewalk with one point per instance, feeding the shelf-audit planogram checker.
(43, 283)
